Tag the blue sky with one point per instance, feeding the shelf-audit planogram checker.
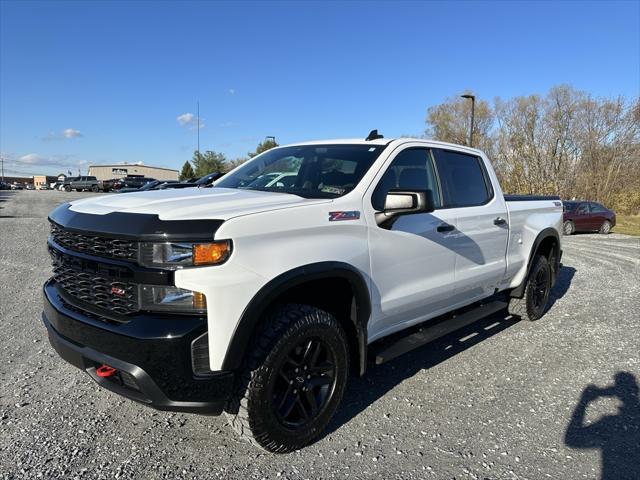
(98, 82)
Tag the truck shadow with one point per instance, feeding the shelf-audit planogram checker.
(616, 436)
(380, 379)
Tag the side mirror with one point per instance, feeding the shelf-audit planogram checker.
(404, 202)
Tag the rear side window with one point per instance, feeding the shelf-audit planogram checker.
(412, 169)
(463, 179)
(597, 208)
(584, 208)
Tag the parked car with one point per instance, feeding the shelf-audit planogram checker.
(375, 237)
(82, 183)
(17, 186)
(153, 185)
(132, 181)
(30, 186)
(44, 187)
(587, 216)
(5, 186)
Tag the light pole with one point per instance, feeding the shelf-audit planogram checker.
(473, 107)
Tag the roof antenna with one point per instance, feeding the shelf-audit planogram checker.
(373, 135)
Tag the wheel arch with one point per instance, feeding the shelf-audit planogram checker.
(547, 243)
(338, 281)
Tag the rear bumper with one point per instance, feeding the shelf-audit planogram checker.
(152, 357)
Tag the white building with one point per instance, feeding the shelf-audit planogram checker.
(121, 170)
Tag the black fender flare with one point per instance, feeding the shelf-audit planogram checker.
(548, 232)
(360, 309)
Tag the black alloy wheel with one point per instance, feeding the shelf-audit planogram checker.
(305, 383)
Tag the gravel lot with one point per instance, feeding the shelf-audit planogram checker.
(493, 401)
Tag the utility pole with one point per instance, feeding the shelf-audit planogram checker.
(473, 105)
(198, 110)
(2, 160)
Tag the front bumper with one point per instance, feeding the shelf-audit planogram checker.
(152, 356)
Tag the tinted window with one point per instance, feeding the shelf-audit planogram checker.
(583, 208)
(412, 169)
(596, 208)
(462, 178)
(312, 171)
(569, 206)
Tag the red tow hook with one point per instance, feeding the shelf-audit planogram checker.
(105, 371)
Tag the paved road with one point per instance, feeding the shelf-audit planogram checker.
(500, 399)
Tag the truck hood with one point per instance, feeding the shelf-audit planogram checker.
(192, 203)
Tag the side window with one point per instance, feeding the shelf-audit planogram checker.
(463, 179)
(596, 208)
(412, 169)
(582, 209)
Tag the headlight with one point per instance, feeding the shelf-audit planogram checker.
(172, 299)
(184, 254)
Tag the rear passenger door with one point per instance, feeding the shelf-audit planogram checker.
(597, 215)
(482, 229)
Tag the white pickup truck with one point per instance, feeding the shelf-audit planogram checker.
(259, 298)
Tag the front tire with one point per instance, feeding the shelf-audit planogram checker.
(292, 381)
(605, 228)
(533, 303)
(95, 189)
(568, 228)
(67, 188)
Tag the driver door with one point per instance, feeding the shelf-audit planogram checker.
(412, 260)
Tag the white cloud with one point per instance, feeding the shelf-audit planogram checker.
(228, 124)
(65, 134)
(189, 120)
(71, 133)
(231, 91)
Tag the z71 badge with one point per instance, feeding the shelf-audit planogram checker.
(340, 216)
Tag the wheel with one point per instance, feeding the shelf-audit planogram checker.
(292, 380)
(605, 228)
(533, 303)
(568, 228)
(95, 189)
(67, 188)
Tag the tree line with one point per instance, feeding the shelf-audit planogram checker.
(203, 163)
(565, 142)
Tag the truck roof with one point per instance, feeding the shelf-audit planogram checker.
(384, 141)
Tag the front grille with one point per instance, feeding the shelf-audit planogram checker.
(95, 245)
(98, 291)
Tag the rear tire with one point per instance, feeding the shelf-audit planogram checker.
(67, 188)
(95, 189)
(568, 228)
(533, 303)
(605, 228)
(292, 380)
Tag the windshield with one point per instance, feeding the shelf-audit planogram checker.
(310, 171)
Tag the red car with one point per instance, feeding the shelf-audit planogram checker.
(585, 216)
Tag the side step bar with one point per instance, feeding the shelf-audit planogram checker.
(428, 333)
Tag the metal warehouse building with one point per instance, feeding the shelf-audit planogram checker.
(121, 170)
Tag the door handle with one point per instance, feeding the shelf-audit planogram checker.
(445, 227)
(499, 221)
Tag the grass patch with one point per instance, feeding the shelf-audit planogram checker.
(629, 224)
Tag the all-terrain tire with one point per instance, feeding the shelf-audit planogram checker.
(67, 188)
(605, 228)
(568, 228)
(267, 382)
(95, 189)
(533, 303)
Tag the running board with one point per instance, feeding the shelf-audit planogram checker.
(429, 333)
